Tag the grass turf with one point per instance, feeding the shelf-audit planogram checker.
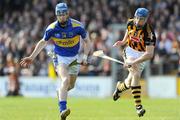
(20, 108)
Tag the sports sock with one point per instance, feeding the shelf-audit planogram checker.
(62, 105)
(136, 93)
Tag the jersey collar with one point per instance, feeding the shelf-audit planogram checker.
(68, 23)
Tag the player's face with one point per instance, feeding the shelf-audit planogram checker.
(140, 21)
(62, 17)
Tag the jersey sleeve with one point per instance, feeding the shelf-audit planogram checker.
(150, 37)
(82, 32)
(48, 33)
(129, 22)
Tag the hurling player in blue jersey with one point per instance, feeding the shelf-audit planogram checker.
(66, 34)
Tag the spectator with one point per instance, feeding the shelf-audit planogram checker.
(12, 70)
(22, 23)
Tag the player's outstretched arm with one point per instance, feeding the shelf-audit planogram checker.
(122, 42)
(25, 62)
(146, 56)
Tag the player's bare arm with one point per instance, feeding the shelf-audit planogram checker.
(25, 62)
(123, 42)
(146, 56)
(87, 47)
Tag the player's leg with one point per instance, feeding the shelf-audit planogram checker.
(128, 80)
(72, 81)
(136, 88)
(62, 70)
(122, 86)
(73, 72)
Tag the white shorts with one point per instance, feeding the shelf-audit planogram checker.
(134, 54)
(74, 69)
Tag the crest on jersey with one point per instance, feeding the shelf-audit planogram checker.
(135, 33)
(57, 35)
(64, 35)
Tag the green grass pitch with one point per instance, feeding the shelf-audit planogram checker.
(20, 108)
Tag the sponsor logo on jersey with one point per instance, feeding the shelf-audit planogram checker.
(136, 39)
(68, 42)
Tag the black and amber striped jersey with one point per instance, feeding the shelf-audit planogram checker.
(139, 38)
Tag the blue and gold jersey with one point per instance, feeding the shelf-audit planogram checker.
(67, 39)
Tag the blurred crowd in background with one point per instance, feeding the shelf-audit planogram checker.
(22, 24)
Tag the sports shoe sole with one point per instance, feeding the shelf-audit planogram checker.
(116, 94)
(64, 114)
(141, 112)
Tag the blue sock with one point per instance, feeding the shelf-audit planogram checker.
(62, 105)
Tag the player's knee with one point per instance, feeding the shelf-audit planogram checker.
(71, 86)
(127, 81)
(128, 84)
(137, 74)
(65, 83)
